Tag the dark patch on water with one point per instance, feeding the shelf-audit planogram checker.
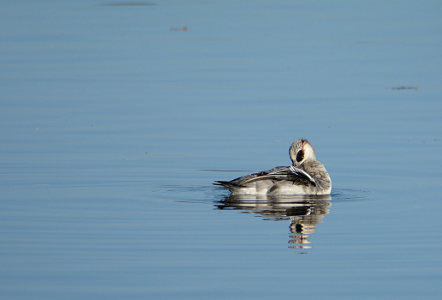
(226, 171)
(405, 88)
(129, 3)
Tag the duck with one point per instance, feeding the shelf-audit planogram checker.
(306, 176)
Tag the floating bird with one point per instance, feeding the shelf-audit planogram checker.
(306, 176)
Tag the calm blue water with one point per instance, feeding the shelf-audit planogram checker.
(116, 117)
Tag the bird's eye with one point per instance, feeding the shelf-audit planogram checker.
(299, 155)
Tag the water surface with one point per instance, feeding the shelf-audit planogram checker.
(117, 117)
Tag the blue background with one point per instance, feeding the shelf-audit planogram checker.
(116, 117)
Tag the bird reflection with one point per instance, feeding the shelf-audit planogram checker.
(303, 212)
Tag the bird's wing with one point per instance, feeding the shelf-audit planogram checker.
(279, 173)
(302, 173)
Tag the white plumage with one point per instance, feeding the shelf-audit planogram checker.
(306, 176)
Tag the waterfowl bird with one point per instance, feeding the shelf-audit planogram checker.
(306, 176)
